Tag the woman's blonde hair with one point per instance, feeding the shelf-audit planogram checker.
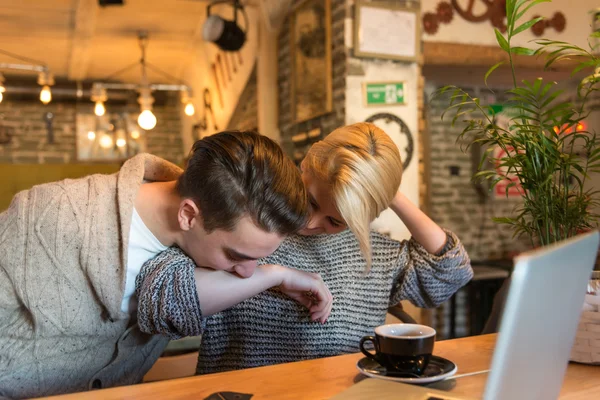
(363, 166)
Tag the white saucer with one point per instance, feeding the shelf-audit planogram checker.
(439, 368)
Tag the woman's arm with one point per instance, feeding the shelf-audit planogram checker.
(427, 279)
(421, 227)
(433, 265)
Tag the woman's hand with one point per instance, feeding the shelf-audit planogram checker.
(421, 227)
(307, 289)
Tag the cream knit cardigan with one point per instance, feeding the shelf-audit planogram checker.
(63, 257)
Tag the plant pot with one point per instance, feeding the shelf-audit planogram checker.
(586, 348)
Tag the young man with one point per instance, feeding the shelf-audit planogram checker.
(72, 250)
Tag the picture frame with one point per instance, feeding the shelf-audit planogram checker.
(310, 49)
(387, 31)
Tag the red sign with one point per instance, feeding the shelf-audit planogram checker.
(500, 188)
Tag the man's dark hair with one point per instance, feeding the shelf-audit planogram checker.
(231, 174)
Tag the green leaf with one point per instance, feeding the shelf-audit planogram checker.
(494, 182)
(558, 111)
(583, 65)
(522, 94)
(531, 4)
(503, 220)
(522, 51)
(484, 156)
(552, 97)
(546, 88)
(484, 174)
(487, 74)
(510, 185)
(578, 179)
(524, 107)
(546, 42)
(565, 56)
(501, 40)
(510, 7)
(526, 25)
(578, 168)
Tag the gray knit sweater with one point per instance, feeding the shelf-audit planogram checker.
(270, 328)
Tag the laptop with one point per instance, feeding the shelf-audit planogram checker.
(537, 329)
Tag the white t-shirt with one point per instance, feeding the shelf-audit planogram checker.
(143, 246)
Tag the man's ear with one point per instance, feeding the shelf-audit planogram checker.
(189, 215)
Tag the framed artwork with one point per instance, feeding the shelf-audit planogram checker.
(110, 138)
(386, 31)
(310, 36)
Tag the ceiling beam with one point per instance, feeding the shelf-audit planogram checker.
(472, 55)
(83, 32)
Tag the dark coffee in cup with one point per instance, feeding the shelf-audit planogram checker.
(402, 348)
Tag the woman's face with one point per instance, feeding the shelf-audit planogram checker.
(324, 217)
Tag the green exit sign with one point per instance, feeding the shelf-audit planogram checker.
(384, 93)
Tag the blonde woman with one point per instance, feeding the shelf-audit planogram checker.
(351, 176)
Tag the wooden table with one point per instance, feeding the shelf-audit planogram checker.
(325, 377)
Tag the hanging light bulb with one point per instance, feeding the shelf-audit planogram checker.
(146, 120)
(135, 134)
(99, 109)
(2, 88)
(189, 109)
(185, 99)
(46, 95)
(91, 135)
(45, 79)
(99, 97)
(121, 142)
(106, 142)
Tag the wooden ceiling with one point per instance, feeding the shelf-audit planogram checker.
(79, 40)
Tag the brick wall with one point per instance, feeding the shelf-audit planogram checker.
(454, 203)
(165, 140)
(454, 200)
(29, 142)
(328, 122)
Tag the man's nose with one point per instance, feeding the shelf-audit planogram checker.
(245, 269)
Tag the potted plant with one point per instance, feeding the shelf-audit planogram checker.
(545, 145)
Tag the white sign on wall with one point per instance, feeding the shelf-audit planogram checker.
(386, 31)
